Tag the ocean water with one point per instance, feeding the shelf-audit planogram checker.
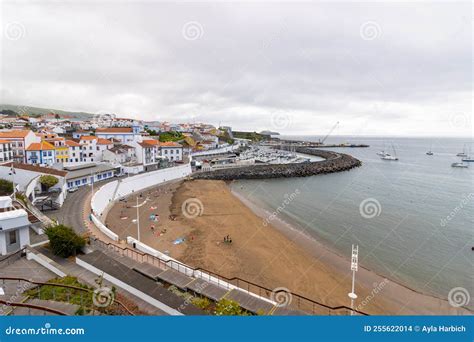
(413, 219)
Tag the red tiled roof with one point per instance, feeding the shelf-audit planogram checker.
(42, 146)
(88, 137)
(101, 141)
(170, 144)
(72, 143)
(14, 134)
(114, 130)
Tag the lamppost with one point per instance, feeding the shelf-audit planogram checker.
(138, 217)
(354, 267)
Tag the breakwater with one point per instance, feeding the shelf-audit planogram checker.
(333, 162)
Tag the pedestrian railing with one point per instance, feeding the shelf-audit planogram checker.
(291, 300)
(84, 297)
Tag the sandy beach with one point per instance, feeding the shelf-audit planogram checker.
(273, 255)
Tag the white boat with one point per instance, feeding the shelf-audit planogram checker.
(468, 160)
(463, 153)
(459, 165)
(430, 152)
(388, 156)
(382, 153)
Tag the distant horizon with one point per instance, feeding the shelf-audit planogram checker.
(255, 130)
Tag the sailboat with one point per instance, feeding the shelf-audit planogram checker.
(468, 158)
(388, 156)
(382, 153)
(463, 153)
(430, 152)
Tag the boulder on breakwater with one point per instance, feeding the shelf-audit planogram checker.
(333, 162)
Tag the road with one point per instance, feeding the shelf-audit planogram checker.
(70, 214)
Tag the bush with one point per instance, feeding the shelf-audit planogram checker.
(171, 136)
(228, 307)
(48, 181)
(6, 187)
(202, 303)
(64, 241)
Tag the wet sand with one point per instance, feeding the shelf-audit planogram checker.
(273, 255)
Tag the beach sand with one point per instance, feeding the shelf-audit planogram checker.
(273, 255)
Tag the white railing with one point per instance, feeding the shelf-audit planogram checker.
(112, 191)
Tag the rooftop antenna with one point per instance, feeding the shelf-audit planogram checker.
(354, 267)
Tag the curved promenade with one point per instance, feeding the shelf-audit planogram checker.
(334, 162)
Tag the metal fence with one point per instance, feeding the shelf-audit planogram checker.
(297, 302)
(57, 291)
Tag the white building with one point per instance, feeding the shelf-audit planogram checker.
(14, 227)
(20, 140)
(74, 151)
(148, 154)
(6, 154)
(120, 154)
(171, 151)
(125, 135)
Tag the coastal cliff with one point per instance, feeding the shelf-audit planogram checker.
(334, 162)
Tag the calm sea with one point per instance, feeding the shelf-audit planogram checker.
(413, 219)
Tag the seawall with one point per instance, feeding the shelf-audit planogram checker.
(334, 162)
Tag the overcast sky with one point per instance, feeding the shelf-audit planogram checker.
(378, 69)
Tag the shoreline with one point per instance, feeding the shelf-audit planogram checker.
(255, 254)
(309, 243)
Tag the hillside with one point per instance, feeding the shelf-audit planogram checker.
(35, 111)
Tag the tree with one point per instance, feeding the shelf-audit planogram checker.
(6, 187)
(48, 181)
(228, 307)
(64, 241)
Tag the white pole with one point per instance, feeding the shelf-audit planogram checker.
(13, 181)
(138, 222)
(354, 267)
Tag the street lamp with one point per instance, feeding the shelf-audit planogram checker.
(138, 217)
(354, 267)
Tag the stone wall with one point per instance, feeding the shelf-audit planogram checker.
(334, 162)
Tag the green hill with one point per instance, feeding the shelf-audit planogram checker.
(36, 111)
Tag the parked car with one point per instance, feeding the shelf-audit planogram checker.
(73, 189)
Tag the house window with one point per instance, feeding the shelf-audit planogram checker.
(78, 182)
(12, 236)
(50, 153)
